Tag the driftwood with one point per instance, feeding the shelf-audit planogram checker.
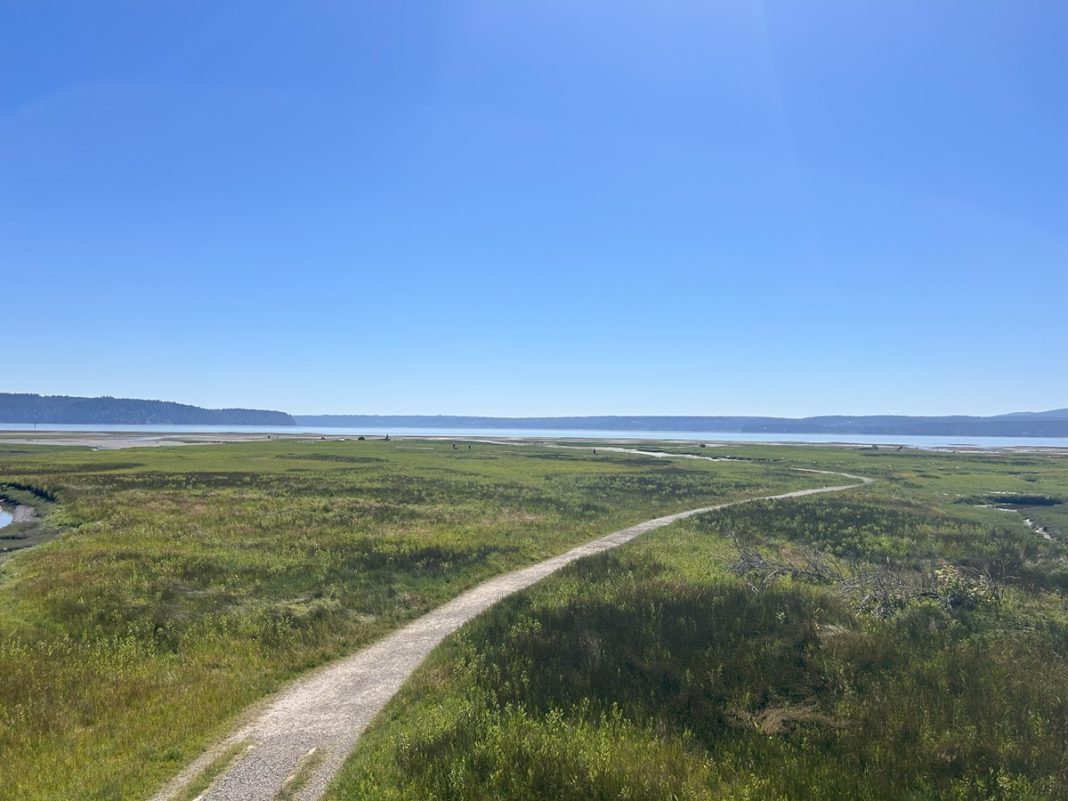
(809, 564)
(875, 590)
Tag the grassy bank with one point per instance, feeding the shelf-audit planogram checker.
(187, 582)
(901, 641)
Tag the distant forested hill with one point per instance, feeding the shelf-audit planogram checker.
(1021, 424)
(26, 408)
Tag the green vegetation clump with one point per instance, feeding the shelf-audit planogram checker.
(655, 672)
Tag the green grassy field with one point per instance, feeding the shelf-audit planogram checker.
(181, 584)
(904, 640)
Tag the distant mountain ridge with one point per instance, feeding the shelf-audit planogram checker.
(1053, 423)
(28, 408)
(62, 409)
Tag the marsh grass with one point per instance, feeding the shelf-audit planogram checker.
(651, 672)
(188, 582)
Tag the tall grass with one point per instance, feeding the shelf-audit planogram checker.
(186, 583)
(654, 673)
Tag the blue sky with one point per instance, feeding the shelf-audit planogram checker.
(538, 207)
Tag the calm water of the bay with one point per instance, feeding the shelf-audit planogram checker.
(550, 433)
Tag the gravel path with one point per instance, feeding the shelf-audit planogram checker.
(311, 726)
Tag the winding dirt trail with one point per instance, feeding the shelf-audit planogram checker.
(311, 726)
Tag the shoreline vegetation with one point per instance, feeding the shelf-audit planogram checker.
(187, 583)
(326, 711)
(894, 643)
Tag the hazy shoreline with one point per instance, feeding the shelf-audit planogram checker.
(116, 437)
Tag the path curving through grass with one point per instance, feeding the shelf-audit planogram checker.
(324, 713)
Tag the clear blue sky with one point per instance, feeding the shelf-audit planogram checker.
(539, 207)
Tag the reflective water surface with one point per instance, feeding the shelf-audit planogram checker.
(550, 433)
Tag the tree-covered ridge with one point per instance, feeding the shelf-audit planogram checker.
(28, 408)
